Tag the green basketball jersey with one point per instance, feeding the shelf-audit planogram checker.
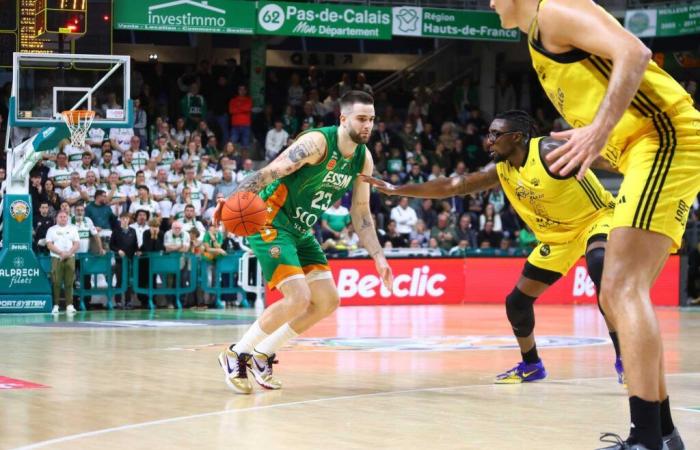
(296, 202)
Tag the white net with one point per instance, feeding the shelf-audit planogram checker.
(78, 123)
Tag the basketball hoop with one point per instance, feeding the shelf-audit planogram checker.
(78, 122)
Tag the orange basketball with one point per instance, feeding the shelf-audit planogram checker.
(244, 213)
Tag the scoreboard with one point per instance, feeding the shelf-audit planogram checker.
(33, 25)
(63, 17)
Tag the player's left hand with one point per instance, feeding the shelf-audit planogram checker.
(385, 273)
(216, 218)
(583, 146)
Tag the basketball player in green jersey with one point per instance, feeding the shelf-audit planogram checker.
(299, 186)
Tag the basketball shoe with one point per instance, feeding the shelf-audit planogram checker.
(234, 366)
(522, 373)
(70, 309)
(260, 366)
(620, 372)
(619, 444)
(673, 441)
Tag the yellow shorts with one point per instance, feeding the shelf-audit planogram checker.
(661, 164)
(560, 258)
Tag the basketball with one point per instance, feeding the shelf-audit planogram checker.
(244, 213)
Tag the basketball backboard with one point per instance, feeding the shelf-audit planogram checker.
(44, 85)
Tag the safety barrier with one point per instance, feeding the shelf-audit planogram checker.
(211, 277)
(165, 265)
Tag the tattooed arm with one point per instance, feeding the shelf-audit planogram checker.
(364, 225)
(308, 149)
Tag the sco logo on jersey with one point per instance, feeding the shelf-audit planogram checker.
(305, 217)
(339, 180)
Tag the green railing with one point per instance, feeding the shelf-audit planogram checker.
(165, 265)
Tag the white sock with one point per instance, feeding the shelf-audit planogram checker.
(250, 339)
(276, 340)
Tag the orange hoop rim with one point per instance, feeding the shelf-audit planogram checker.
(75, 115)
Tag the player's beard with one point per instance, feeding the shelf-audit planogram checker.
(356, 137)
(497, 157)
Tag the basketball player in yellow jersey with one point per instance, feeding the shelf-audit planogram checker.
(569, 217)
(624, 107)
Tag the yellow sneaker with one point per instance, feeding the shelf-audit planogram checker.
(260, 366)
(236, 375)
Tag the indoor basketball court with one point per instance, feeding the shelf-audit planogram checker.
(380, 377)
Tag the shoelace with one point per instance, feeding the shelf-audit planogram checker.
(612, 438)
(271, 360)
(241, 371)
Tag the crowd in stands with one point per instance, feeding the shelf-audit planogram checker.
(195, 138)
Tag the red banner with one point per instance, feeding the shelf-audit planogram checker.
(469, 280)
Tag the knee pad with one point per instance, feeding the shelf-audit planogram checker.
(520, 311)
(594, 262)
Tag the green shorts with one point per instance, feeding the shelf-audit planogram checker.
(284, 255)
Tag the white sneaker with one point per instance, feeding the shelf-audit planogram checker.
(55, 309)
(71, 309)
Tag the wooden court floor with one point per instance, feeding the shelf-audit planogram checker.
(416, 377)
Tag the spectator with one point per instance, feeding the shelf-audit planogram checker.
(295, 93)
(491, 215)
(180, 134)
(334, 221)
(392, 237)
(465, 232)
(63, 242)
(489, 236)
(208, 215)
(361, 84)
(290, 121)
(198, 196)
(193, 155)
(140, 123)
(421, 235)
(510, 222)
(275, 140)
(240, 108)
(140, 225)
(444, 232)
(177, 174)
(384, 135)
(42, 222)
(405, 218)
(193, 106)
(50, 196)
(408, 137)
(227, 185)
(100, 213)
(164, 194)
(245, 171)
(75, 192)
(125, 244)
(433, 244)
(526, 239)
(120, 140)
(86, 166)
(139, 156)
(460, 249)
(87, 232)
(189, 221)
(176, 241)
(106, 166)
(427, 214)
(60, 175)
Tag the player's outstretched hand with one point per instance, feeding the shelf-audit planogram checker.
(216, 219)
(385, 273)
(583, 146)
(381, 185)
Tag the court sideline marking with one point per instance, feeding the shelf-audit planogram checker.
(133, 426)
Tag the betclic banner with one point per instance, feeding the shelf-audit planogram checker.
(446, 281)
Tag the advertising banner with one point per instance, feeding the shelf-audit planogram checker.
(675, 21)
(450, 23)
(323, 20)
(471, 280)
(212, 16)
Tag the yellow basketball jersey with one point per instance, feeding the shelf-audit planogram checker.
(577, 81)
(556, 209)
